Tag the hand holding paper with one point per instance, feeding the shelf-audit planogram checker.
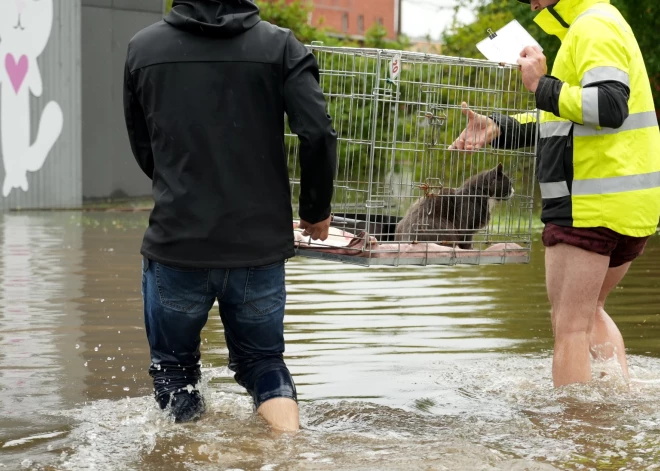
(533, 67)
(506, 45)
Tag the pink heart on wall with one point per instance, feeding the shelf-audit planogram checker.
(16, 70)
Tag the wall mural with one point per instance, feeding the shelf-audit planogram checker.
(25, 27)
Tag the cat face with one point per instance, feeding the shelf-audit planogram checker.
(499, 184)
(25, 26)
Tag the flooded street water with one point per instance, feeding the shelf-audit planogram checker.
(437, 368)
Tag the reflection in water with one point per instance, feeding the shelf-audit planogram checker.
(397, 368)
(39, 327)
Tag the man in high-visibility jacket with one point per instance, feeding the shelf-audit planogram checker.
(598, 164)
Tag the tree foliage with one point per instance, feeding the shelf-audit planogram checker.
(644, 19)
(294, 14)
(381, 132)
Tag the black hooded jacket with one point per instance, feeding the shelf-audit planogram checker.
(205, 94)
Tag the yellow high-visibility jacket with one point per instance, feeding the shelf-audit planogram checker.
(598, 159)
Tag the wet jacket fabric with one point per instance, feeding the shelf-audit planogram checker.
(205, 96)
(598, 160)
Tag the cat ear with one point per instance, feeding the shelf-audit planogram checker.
(499, 168)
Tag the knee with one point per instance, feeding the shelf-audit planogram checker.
(568, 323)
(553, 320)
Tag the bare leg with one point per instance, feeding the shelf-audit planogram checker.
(281, 414)
(574, 278)
(605, 340)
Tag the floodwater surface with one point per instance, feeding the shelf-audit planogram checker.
(408, 368)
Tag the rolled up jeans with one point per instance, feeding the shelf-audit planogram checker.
(176, 306)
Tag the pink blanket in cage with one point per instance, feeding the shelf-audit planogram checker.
(340, 242)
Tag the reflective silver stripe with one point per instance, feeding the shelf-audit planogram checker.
(602, 186)
(556, 129)
(531, 116)
(554, 190)
(590, 106)
(598, 12)
(633, 122)
(601, 74)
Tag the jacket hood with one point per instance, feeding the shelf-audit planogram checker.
(555, 20)
(217, 18)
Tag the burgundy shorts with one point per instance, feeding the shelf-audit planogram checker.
(620, 248)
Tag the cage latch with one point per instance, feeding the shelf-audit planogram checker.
(428, 186)
(434, 120)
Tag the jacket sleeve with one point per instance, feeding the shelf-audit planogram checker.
(308, 119)
(602, 64)
(136, 125)
(516, 132)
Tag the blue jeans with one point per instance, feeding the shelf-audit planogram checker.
(177, 302)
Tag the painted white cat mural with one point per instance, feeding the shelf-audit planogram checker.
(25, 27)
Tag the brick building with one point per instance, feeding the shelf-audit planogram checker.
(355, 17)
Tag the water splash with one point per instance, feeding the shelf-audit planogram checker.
(506, 415)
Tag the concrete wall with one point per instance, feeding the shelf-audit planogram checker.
(40, 133)
(109, 168)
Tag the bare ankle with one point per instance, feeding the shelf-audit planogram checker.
(281, 414)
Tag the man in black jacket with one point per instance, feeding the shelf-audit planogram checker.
(205, 95)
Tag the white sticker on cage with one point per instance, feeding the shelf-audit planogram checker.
(395, 67)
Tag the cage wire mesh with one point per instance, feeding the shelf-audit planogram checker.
(401, 195)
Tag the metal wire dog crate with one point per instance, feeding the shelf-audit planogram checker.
(400, 191)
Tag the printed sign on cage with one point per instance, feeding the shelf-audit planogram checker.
(395, 68)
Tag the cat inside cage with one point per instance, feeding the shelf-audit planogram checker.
(402, 194)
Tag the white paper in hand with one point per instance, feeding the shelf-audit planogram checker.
(507, 43)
